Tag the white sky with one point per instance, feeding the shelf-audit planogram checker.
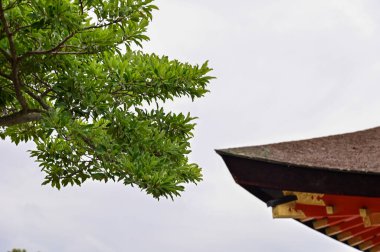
(285, 70)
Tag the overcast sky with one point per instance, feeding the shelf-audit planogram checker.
(286, 70)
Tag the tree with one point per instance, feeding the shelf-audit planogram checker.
(72, 83)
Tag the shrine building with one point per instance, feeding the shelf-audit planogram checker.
(330, 184)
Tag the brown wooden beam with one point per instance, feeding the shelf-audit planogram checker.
(363, 237)
(353, 232)
(345, 226)
(329, 221)
(369, 244)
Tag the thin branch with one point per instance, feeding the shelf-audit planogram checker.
(47, 91)
(6, 54)
(87, 141)
(7, 31)
(32, 88)
(71, 53)
(14, 60)
(21, 117)
(81, 6)
(55, 49)
(6, 76)
(50, 51)
(117, 20)
(72, 46)
(20, 28)
(10, 6)
(42, 81)
(38, 99)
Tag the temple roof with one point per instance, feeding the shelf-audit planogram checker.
(355, 152)
(330, 184)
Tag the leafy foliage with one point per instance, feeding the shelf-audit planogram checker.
(71, 83)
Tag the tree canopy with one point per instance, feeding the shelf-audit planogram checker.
(72, 82)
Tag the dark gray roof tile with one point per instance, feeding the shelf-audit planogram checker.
(357, 152)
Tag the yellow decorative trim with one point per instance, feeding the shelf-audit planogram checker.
(314, 199)
(329, 209)
(363, 212)
(369, 219)
(287, 210)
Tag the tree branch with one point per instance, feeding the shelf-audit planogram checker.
(117, 20)
(55, 49)
(6, 76)
(11, 5)
(38, 99)
(81, 6)
(71, 53)
(47, 85)
(6, 54)
(50, 51)
(14, 60)
(21, 117)
(20, 28)
(47, 91)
